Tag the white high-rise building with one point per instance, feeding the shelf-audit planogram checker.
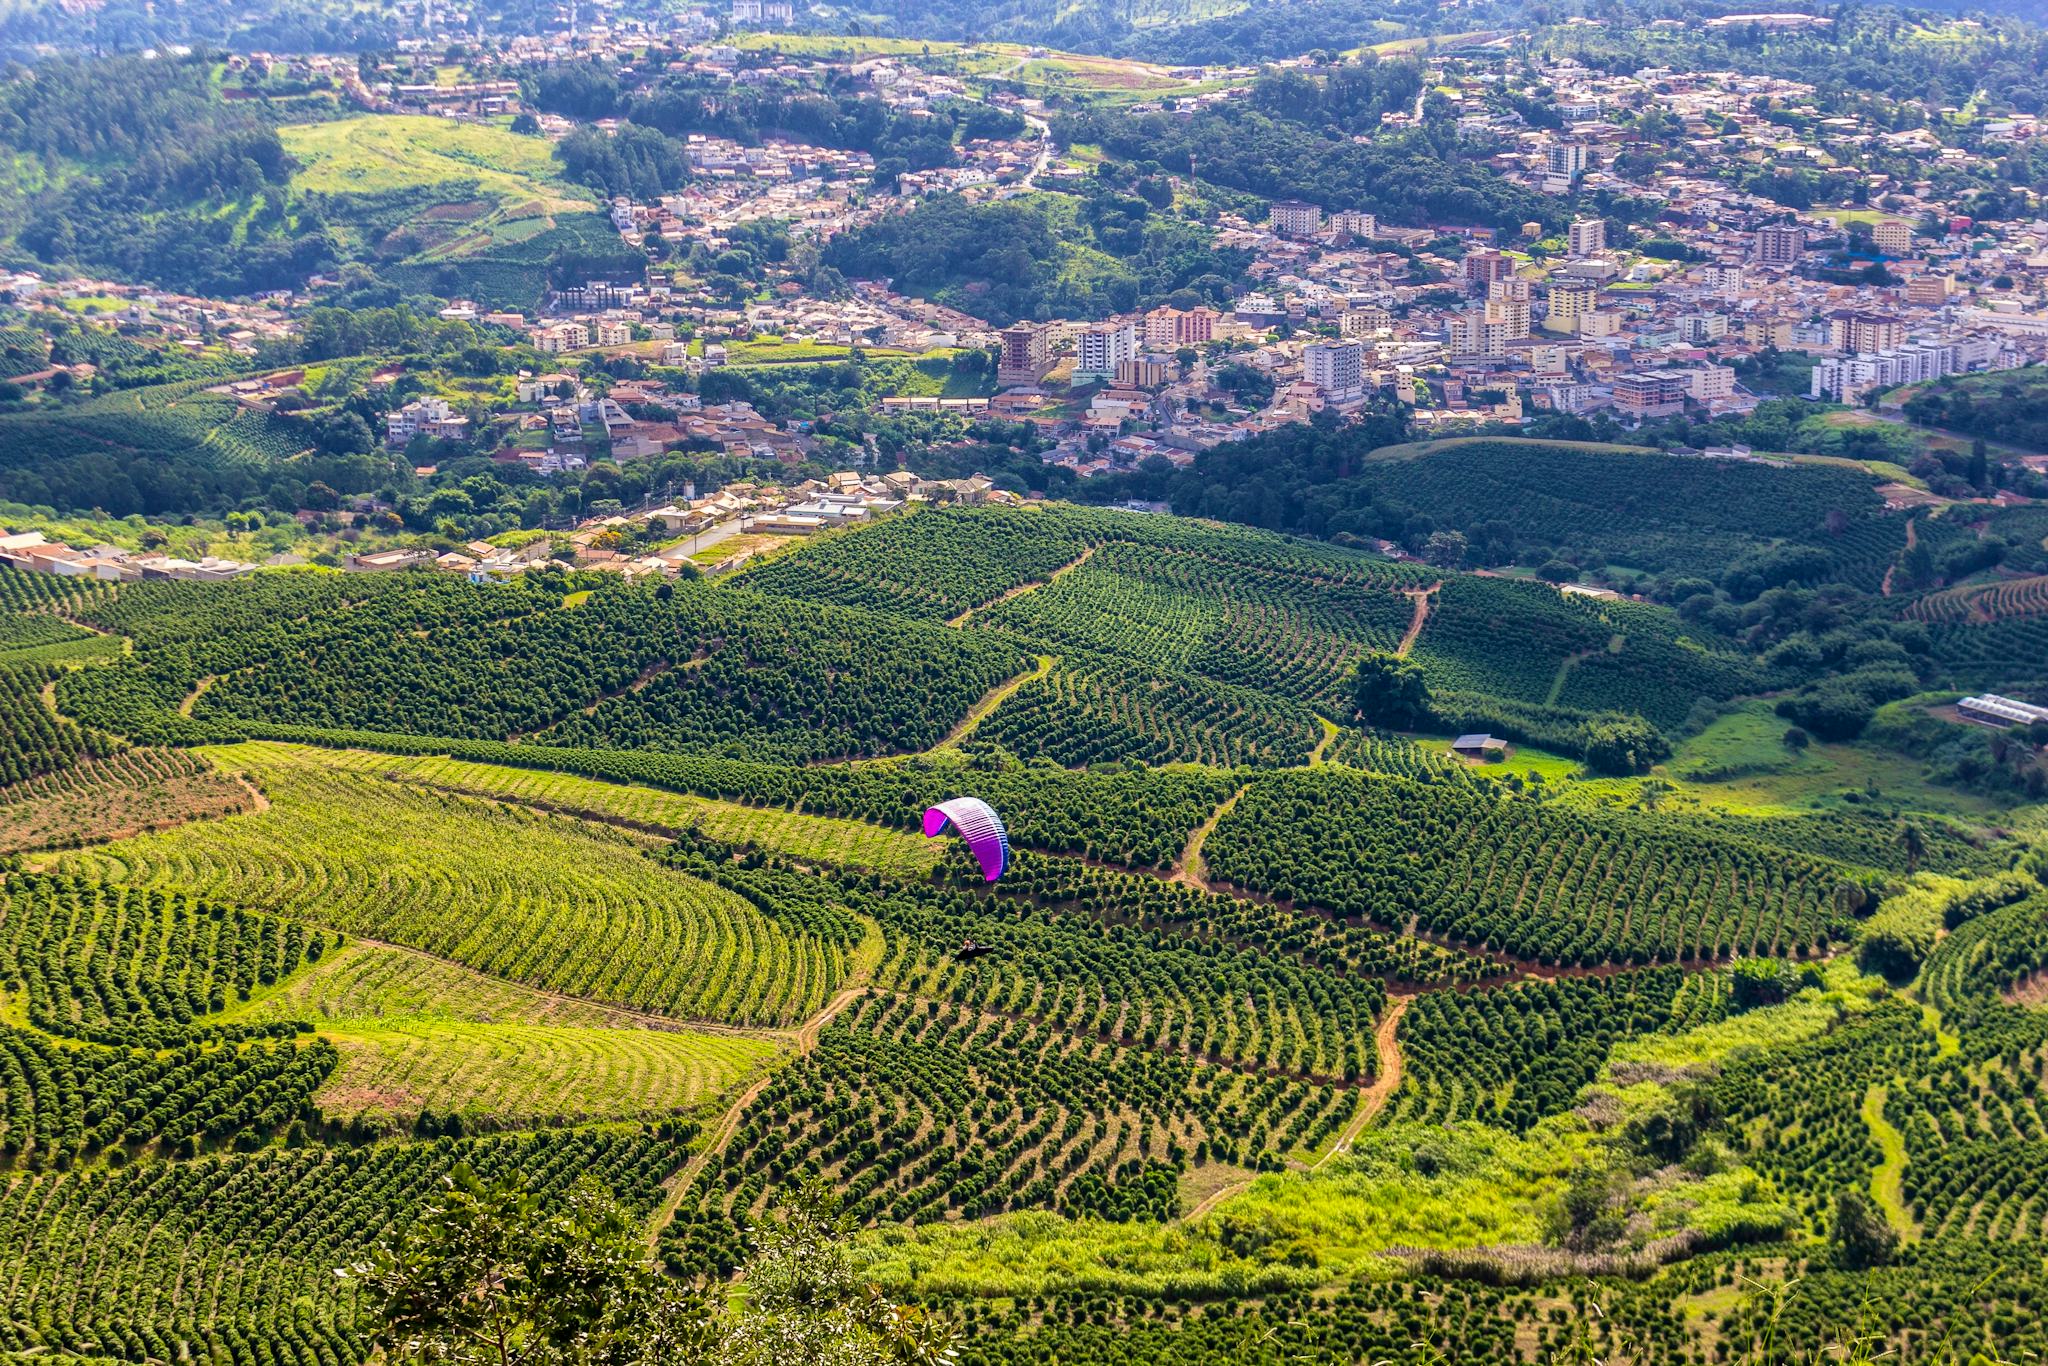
(1336, 369)
(1294, 218)
(1473, 334)
(1102, 348)
(1507, 304)
(1847, 378)
(1570, 303)
(1356, 223)
(1702, 329)
(1363, 322)
(1563, 163)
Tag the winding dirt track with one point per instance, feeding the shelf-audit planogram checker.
(1021, 589)
(679, 1182)
(1912, 540)
(1421, 598)
(1188, 868)
(1386, 1080)
(997, 695)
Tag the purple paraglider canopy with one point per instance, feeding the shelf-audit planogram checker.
(979, 825)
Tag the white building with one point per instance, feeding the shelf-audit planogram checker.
(1845, 379)
(1507, 304)
(1473, 335)
(424, 417)
(763, 11)
(1990, 709)
(1571, 301)
(1587, 236)
(1727, 278)
(1563, 163)
(1700, 329)
(1709, 383)
(1364, 322)
(1102, 348)
(1337, 369)
(1356, 223)
(561, 337)
(1892, 237)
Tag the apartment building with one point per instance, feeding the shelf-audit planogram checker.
(1650, 394)
(1780, 244)
(1295, 218)
(1102, 348)
(1026, 355)
(1336, 369)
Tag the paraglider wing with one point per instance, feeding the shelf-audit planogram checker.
(979, 825)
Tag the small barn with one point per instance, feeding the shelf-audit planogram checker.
(1992, 710)
(1483, 748)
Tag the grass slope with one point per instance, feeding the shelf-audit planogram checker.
(505, 1073)
(822, 838)
(557, 904)
(417, 1033)
(379, 152)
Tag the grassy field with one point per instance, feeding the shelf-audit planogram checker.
(1807, 1015)
(1740, 764)
(1482, 1187)
(1411, 450)
(1407, 47)
(530, 1074)
(1838, 777)
(555, 903)
(1526, 760)
(824, 839)
(380, 152)
(1883, 469)
(417, 1033)
(382, 983)
(777, 351)
(1750, 739)
(1839, 770)
(836, 44)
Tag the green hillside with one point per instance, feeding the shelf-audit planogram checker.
(574, 874)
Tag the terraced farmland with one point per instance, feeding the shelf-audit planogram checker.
(418, 1034)
(935, 565)
(925, 1116)
(515, 1075)
(1273, 1023)
(846, 843)
(130, 792)
(237, 1254)
(1984, 602)
(1534, 881)
(1099, 711)
(1286, 624)
(539, 899)
(121, 966)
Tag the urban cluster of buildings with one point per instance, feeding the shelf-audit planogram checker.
(28, 550)
(177, 322)
(1640, 320)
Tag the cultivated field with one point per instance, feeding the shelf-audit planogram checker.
(539, 899)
